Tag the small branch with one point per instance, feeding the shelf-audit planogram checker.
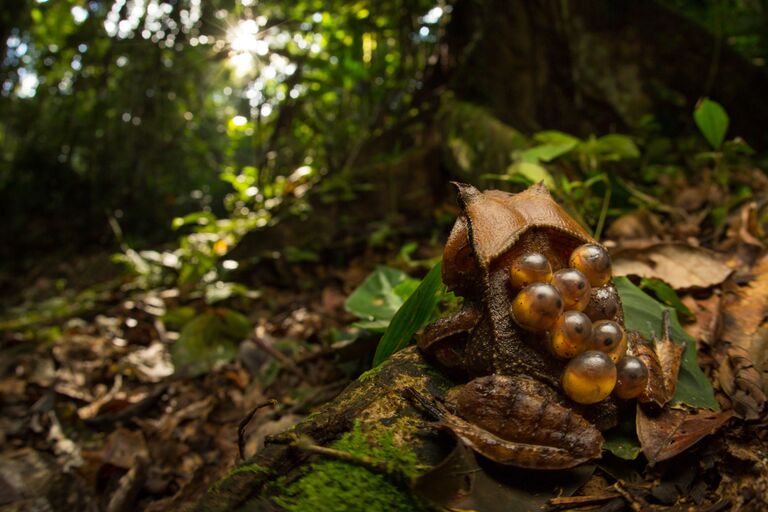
(374, 465)
(636, 503)
(285, 361)
(582, 500)
(244, 424)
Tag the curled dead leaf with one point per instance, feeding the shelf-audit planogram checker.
(638, 226)
(679, 265)
(670, 432)
(662, 358)
(740, 380)
(745, 309)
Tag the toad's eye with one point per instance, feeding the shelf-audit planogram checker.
(571, 334)
(530, 268)
(608, 337)
(537, 307)
(593, 261)
(631, 377)
(573, 286)
(589, 377)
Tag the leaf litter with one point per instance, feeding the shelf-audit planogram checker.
(96, 410)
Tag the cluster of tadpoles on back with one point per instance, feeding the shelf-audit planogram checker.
(553, 303)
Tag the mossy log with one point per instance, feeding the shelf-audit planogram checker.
(371, 418)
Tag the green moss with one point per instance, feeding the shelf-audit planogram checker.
(369, 374)
(247, 468)
(340, 486)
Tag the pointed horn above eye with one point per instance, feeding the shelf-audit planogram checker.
(467, 193)
(540, 188)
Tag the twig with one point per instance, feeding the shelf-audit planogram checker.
(582, 500)
(374, 465)
(636, 503)
(244, 423)
(603, 210)
(283, 359)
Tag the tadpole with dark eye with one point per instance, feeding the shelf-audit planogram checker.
(632, 377)
(537, 307)
(530, 268)
(594, 262)
(608, 337)
(571, 334)
(573, 287)
(589, 377)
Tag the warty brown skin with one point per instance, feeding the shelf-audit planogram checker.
(513, 411)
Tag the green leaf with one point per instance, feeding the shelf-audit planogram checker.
(414, 313)
(547, 152)
(712, 121)
(642, 313)
(616, 147)
(556, 138)
(377, 298)
(208, 340)
(177, 317)
(532, 172)
(199, 218)
(622, 439)
(666, 294)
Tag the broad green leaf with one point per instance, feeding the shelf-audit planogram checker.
(199, 218)
(616, 147)
(622, 439)
(556, 138)
(378, 298)
(414, 313)
(666, 294)
(210, 339)
(712, 121)
(177, 317)
(546, 152)
(532, 172)
(642, 313)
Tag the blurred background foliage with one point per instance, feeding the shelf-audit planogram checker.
(130, 123)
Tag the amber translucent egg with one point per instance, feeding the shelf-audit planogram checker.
(537, 307)
(573, 286)
(603, 304)
(530, 268)
(571, 334)
(607, 336)
(593, 261)
(631, 377)
(589, 377)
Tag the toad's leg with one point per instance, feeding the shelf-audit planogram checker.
(518, 421)
(446, 338)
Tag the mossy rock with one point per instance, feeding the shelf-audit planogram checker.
(370, 418)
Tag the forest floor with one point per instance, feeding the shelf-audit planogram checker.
(93, 415)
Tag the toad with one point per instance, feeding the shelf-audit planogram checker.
(539, 340)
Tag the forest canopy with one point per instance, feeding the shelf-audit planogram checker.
(141, 111)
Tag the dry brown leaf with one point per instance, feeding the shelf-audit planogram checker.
(679, 265)
(672, 431)
(654, 391)
(745, 309)
(707, 312)
(123, 446)
(662, 358)
(637, 225)
(670, 354)
(740, 380)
